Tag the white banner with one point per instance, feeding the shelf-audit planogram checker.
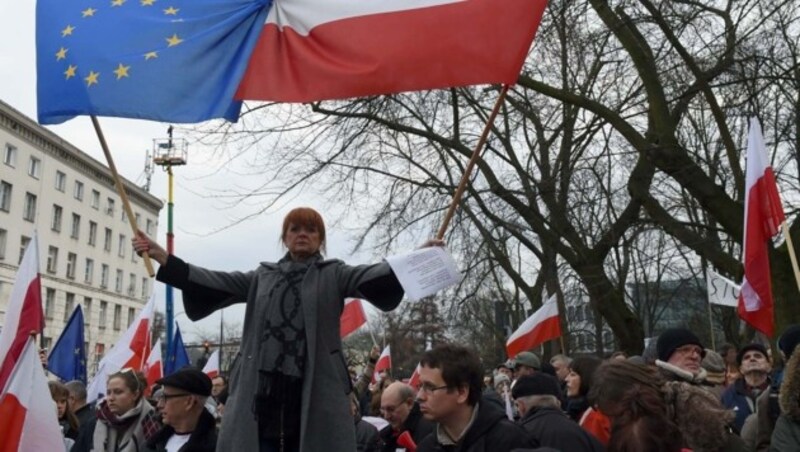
(721, 290)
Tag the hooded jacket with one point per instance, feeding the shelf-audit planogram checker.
(786, 435)
(491, 432)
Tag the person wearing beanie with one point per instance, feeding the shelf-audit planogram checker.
(188, 425)
(714, 365)
(680, 354)
(537, 397)
(742, 395)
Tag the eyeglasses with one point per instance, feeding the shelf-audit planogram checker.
(164, 397)
(430, 389)
(689, 349)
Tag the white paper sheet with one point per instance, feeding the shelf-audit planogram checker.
(425, 271)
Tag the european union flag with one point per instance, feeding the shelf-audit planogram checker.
(166, 60)
(177, 358)
(67, 360)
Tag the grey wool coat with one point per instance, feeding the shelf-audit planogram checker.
(326, 422)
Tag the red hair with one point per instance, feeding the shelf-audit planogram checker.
(305, 216)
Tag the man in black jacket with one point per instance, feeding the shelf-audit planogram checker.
(188, 426)
(399, 408)
(450, 394)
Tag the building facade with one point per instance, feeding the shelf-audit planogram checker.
(85, 252)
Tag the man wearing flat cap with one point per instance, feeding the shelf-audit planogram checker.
(741, 396)
(537, 397)
(188, 426)
(680, 354)
(526, 363)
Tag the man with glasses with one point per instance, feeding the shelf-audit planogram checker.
(188, 426)
(680, 353)
(450, 395)
(399, 408)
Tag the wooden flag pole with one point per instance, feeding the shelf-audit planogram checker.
(121, 192)
(792, 255)
(472, 161)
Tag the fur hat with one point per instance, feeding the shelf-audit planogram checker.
(536, 384)
(675, 338)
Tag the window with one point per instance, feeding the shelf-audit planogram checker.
(87, 310)
(107, 240)
(57, 213)
(23, 245)
(124, 216)
(103, 315)
(72, 262)
(117, 317)
(34, 167)
(138, 219)
(88, 274)
(52, 259)
(149, 227)
(3, 238)
(95, 199)
(5, 196)
(110, 207)
(104, 276)
(131, 316)
(132, 285)
(78, 190)
(29, 213)
(46, 342)
(75, 231)
(92, 233)
(61, 181)
(145, 294)
(118, 282)
(10, 156)
(49, 303)
(69, 306)
(122, 246)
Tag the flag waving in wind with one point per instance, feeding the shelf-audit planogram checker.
(542, 326)
(353, 316)
(177, 358)
(154, 369)
(67, 360)
(384, 363)
(763, 215)
(212, 365)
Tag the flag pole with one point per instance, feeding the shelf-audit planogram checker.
(711, 326)
(472, 161)
(792, 256)
(121, 191)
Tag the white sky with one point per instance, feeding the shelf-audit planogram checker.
(238, 248)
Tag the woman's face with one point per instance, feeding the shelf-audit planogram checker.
(573, 384)
(120, 398)
(61, 405)
(301, 240)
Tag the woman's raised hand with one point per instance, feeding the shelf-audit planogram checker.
(144, 244)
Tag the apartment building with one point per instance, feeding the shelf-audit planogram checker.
(67, 197)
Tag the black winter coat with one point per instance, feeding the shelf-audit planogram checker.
(202, 439)
(491, 432)
(549, 427)
(415, 424)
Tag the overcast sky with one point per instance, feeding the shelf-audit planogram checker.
(240, 247)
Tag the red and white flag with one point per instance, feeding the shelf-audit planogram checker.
(314, 50)
(542, 326)
(763, 215)
(28, 413)
(384, 363)
(212, 365)
(353, 316)
(24, 315)
(130, 351)
(154, 369)
(414, 380)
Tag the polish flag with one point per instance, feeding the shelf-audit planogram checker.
(154, 369)
(353, 316)
(314, 50)
(130, 351)
(212, 365)
(30, 421)
(384, 363)
(763, 215)
(542, 326)
(24, 316)
(414, 380)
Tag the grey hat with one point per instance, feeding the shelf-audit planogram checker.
(527, 359)
(501, 378)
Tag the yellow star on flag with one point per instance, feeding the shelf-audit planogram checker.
(148, 2)
(121, 71)
(91, 79)
(67, 31)
(174, 40)
(70, 72)
(61, 54)
(117, 2)
(150, 55)
(171, 11)
(88, 12)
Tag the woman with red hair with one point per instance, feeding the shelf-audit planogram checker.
(290, 388)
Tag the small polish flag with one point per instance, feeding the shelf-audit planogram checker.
(212, 365)
(24, 315)
(130, 351)
(414, 380)
(384, 363)
(353, 316)
(542, 326)
(154, 369)
(30, 422)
